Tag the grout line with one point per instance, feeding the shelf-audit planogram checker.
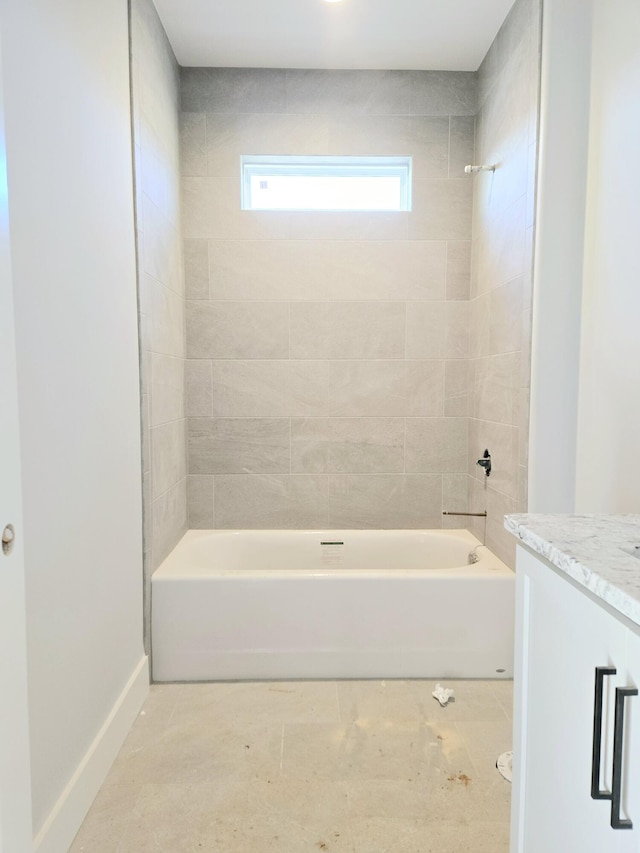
(406, 328)
(208, 276)
(346, 360)
(305, 417)
(446, 270)
(404, 446)
(171, 487)
(213, 500)
(282, 749)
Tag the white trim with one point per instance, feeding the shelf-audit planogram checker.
(65, 819)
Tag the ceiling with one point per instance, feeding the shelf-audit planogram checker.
(447, 35)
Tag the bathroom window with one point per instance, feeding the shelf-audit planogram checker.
(326, 183)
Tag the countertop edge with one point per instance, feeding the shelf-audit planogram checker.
(620, 590)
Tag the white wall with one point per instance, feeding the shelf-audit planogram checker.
(608, 459)
(585, 406)
(71, 212)
(559, 241)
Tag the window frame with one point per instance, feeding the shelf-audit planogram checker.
(252, 166)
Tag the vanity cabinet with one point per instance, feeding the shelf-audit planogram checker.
(563, 634)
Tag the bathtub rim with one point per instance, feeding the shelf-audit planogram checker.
(174, 568)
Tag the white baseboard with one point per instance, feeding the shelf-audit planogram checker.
(65, 819)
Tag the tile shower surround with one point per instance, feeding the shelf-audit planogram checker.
(501, 281)
(155, 100)
(331, 358)
(327, 354)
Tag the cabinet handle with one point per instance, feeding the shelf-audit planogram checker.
(616, 783)
(596, 793)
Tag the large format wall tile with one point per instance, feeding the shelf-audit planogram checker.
(161, 251)
(480, 325)
(169, 520)
(167, 397)
(444, 93)
(385, 500)
(503, 253)
(426, 138)
(238, 446)
(270, 388)
(196, 269)
(230, 135)
(198, 388)
(456, 388)
(200, 501)
(193, 144)
(347, 225)
(436, 445)
(347, 445)
(438, 330)
(496, 388)
(348, 330)
(316, 270)
(462, 145)
(455, 498)
(441, 210)
(505, 332)
(233, 90)
(271, 501)
(158, 183)
(237, 329)
(458, 269)
(164, 312)
(349, 92)
(168, 456)
(386, 388)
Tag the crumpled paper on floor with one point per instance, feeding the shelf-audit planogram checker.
(442, 694)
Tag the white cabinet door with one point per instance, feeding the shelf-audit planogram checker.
(15, 803)
(565, 636)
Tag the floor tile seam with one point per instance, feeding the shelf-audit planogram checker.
(336, 693)
(507, 712)
(282, 733)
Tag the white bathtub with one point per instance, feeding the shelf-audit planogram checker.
(286, 604)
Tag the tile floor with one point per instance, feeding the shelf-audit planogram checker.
(357, 766)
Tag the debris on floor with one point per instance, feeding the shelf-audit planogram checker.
(461, 777)
(442, 694)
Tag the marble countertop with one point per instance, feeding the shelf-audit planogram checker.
(597, 551)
